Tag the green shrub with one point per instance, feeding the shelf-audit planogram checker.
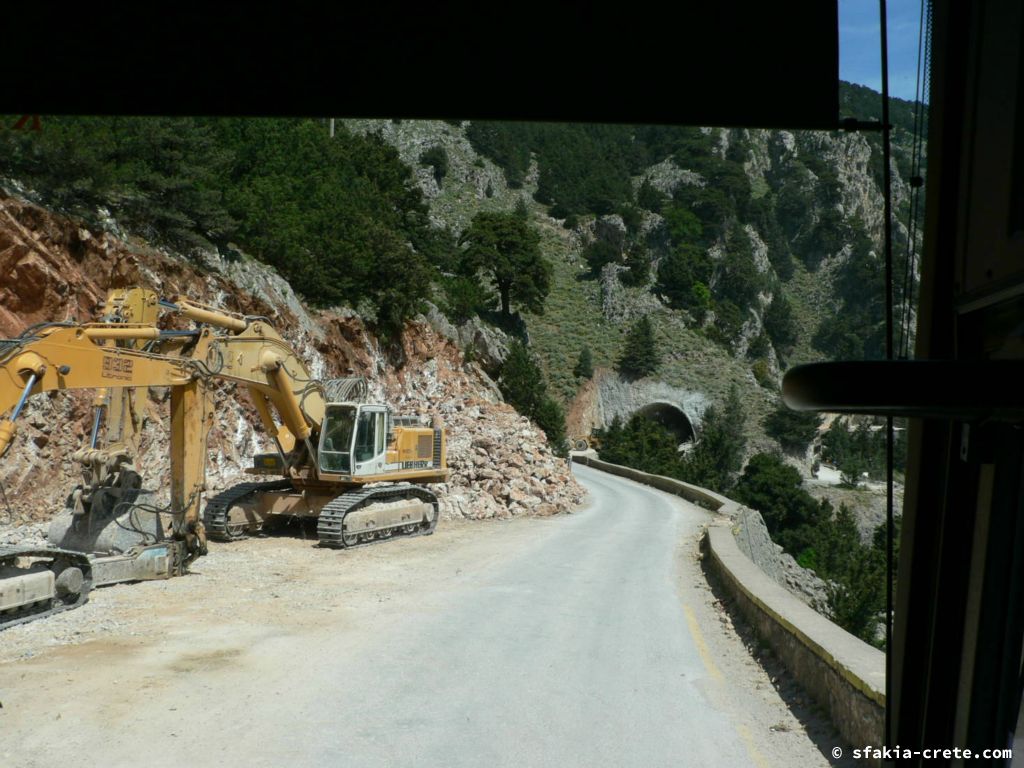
(584, 368)
(759, 347)
(774, 488)
(728, 322)
(780, 325)
(599, 253)
(650, 198)
(437, 157)
(638, 266)
(762, 374)
(642, 444)
(684, 268)
(631, 218)
(684, 228)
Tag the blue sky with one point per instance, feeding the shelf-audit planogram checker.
(859, 53)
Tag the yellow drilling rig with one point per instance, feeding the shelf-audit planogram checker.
(355, 466)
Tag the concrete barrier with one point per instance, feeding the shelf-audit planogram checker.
(843, 674)
(702, 497)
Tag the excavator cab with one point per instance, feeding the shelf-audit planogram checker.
(336, 439)
(371, 431)
(353, 439)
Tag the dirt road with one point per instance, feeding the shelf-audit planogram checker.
(590, 639)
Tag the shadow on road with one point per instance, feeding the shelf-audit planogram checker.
(814, 719)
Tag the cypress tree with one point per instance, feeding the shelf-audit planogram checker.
(640, 356)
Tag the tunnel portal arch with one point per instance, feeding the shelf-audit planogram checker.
(670, 416)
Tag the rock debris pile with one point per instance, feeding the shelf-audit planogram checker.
(501, 466)
(55, 268)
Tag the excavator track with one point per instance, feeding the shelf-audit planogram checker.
(215, 514)
(72, 577)
(330, 525)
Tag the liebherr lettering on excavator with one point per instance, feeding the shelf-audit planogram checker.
(354, 466)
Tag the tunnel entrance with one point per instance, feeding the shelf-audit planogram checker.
(671, 417)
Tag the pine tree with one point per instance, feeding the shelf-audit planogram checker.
(638, 263)
(507, 249)
(640, 356)
(718, 454)
(793, 429)
(551, 418)
(521, 381)
(780, 324)
(522, 384)
(584, 365)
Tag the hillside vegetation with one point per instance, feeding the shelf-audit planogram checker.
(339, 218)
(746, 250)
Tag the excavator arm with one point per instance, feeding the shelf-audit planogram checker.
(118, 356)
(62, 358)
(107, 533)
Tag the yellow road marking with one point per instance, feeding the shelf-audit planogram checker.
(702, 646)
(748, 742)
(713, 670)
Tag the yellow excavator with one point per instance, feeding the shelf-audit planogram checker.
(355, 466)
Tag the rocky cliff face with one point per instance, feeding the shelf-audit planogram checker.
(753, 539)
(55, 268)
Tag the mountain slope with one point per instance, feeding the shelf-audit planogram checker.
(801, 216)
(53, 267)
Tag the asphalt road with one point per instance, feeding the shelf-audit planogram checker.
(584, 640)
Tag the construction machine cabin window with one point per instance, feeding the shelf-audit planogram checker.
(365, 436)
(381, 432)
(336, 444)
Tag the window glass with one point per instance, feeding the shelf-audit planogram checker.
(336, 443)
(365, 433)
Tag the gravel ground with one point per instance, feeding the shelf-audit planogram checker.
(583, 639)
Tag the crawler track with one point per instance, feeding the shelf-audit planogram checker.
(330, 527)
(215, 514)
(59, 560)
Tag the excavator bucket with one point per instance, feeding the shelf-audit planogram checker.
(112, 514)
(114, 524)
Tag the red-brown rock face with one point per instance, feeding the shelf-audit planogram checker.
(54, 268)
